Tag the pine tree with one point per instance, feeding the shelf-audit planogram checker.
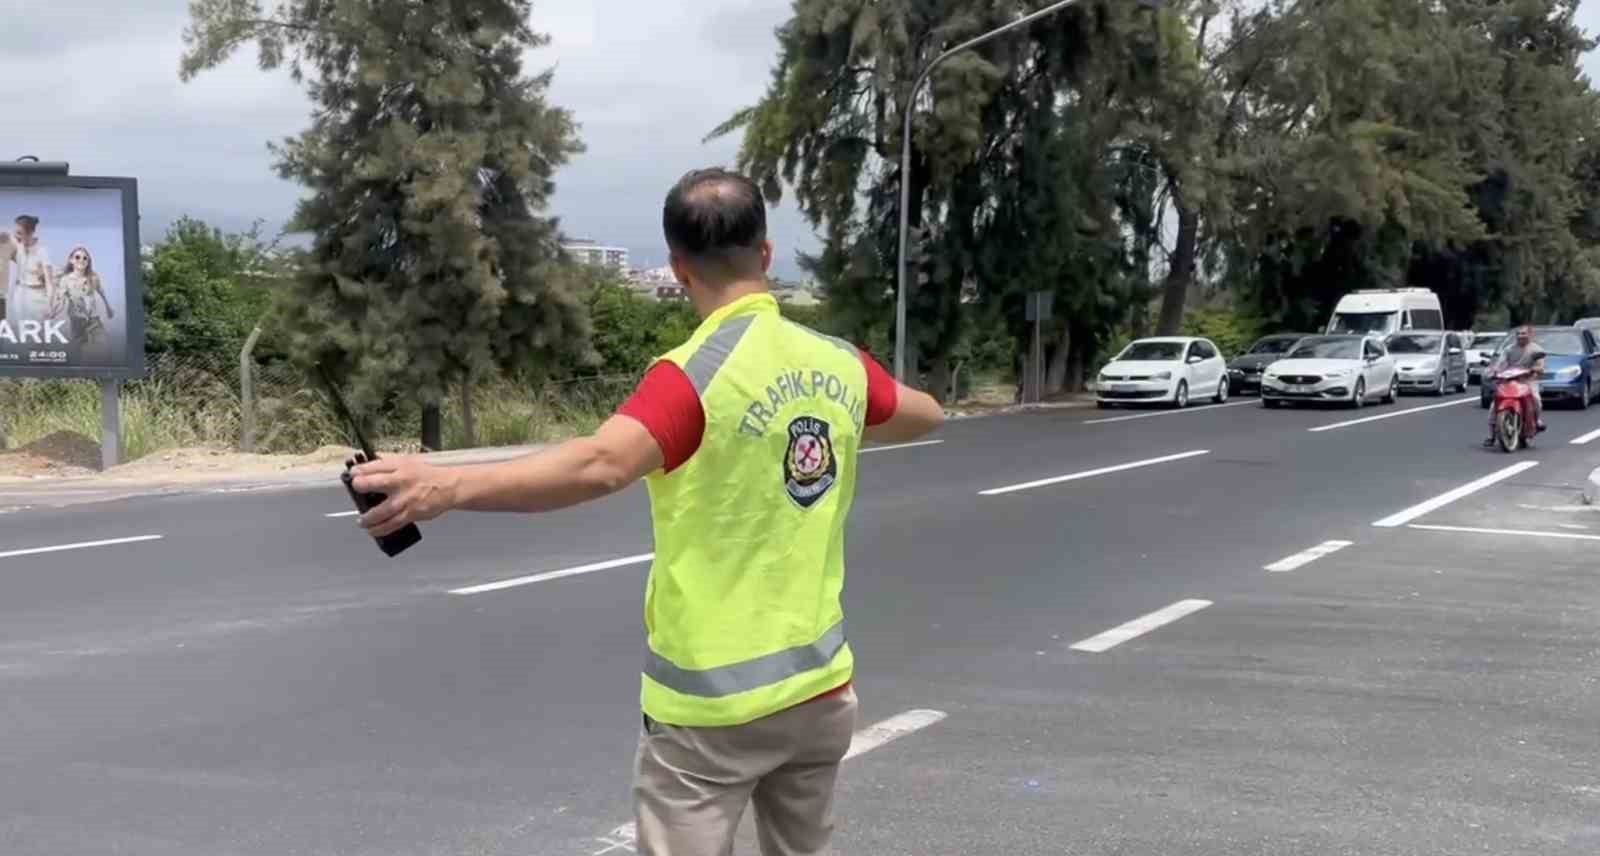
(428, 166)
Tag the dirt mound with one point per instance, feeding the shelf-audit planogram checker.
(64, 453)
(184, 464)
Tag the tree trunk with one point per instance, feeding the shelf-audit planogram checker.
(939, 378)
(432, 428)
(1055, 377)
(1077, 359)
(1181, 274)
(469, 420)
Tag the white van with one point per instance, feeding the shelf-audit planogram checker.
(1382, 311)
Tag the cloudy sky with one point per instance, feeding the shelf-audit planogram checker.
(646, 79)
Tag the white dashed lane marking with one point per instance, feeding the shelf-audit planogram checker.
(556, 575)
(1440, 501)
(1104, 642)
(82, 545)
(1088, 474)
(1198, 408)
(1396, 413)
(1301, 559)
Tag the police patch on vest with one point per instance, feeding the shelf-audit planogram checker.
(810, 469)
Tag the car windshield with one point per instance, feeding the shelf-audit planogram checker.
(1364, 322)
(1327, 349)
(1152, 351)
(1412, 343)
(1487, 341)
(1561, 342)
(1277, 345)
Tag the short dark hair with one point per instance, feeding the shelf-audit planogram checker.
(29, 221)
(716, 221)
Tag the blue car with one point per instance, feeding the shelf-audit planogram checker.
(1571, 366)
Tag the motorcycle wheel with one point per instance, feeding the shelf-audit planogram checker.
(1508, 430)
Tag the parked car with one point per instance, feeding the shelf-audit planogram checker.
(1244, 373)
(1163, 370)
(1571, 366)
(1479, 352)
(1429, 361)
(1588, 324)
(1350, 369)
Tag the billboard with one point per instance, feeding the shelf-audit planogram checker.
(69, 261)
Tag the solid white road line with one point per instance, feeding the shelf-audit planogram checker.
(1197, 408)
(1089, 474)
(1587, 438)
(556, 575)
(1140, 626)
(900, 446)
(1384, 416)
(343, 514)
(1444, 499)
(34, 551)
(1326, 548)
(891, 729)
(623, 838)
(1519, 532)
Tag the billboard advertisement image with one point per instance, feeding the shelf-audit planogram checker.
(69, 264)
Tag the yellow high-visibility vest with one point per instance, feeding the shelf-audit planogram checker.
(742, 609)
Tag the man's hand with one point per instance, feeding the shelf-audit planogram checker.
(417, 491)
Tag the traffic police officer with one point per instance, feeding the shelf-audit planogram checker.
(747, 435)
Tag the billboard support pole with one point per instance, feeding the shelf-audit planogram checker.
(110, 423)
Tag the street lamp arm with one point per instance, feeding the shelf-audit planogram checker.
(905, 162)
(905, 168)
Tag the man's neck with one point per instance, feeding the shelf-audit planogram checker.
(732, 293)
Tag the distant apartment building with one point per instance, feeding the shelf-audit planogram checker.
(591, 253)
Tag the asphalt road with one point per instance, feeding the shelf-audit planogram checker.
(260, 680)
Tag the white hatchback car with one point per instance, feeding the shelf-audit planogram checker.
(1163, 370)
(1350, 369)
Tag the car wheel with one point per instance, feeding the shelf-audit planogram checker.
(1180, 399)
(1222, 390)
(1394, 390)
(1444, 384)
(1583, 399)
(1102, 405)
(1358, 399)
(1269, 403)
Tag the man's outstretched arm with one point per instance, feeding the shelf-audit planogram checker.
(577, 471)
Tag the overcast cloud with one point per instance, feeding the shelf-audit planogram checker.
(646, 79)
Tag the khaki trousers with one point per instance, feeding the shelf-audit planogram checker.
(691, 784)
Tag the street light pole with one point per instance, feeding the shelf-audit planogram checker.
(905, 164)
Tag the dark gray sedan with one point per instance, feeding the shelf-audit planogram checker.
(1244, 373)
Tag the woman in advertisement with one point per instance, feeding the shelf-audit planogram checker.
(33, 297)
(77, 290)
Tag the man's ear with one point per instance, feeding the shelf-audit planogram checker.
(766, 256)
(679, 270)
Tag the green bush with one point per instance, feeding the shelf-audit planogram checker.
(1232, 332)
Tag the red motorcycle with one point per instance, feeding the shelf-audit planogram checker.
(1512, 419)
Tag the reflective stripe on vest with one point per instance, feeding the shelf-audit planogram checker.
(749, 675)
(742, 611)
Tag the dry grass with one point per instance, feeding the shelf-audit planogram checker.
(186, 405)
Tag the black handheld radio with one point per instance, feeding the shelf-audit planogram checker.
(394, 543)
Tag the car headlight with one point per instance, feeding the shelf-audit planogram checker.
(1568, 373)
(1162, 376)
(1428, 366)
(1336, 373)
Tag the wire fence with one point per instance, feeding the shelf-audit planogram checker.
(198, 401)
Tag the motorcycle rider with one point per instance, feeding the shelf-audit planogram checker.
(1525, 353)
